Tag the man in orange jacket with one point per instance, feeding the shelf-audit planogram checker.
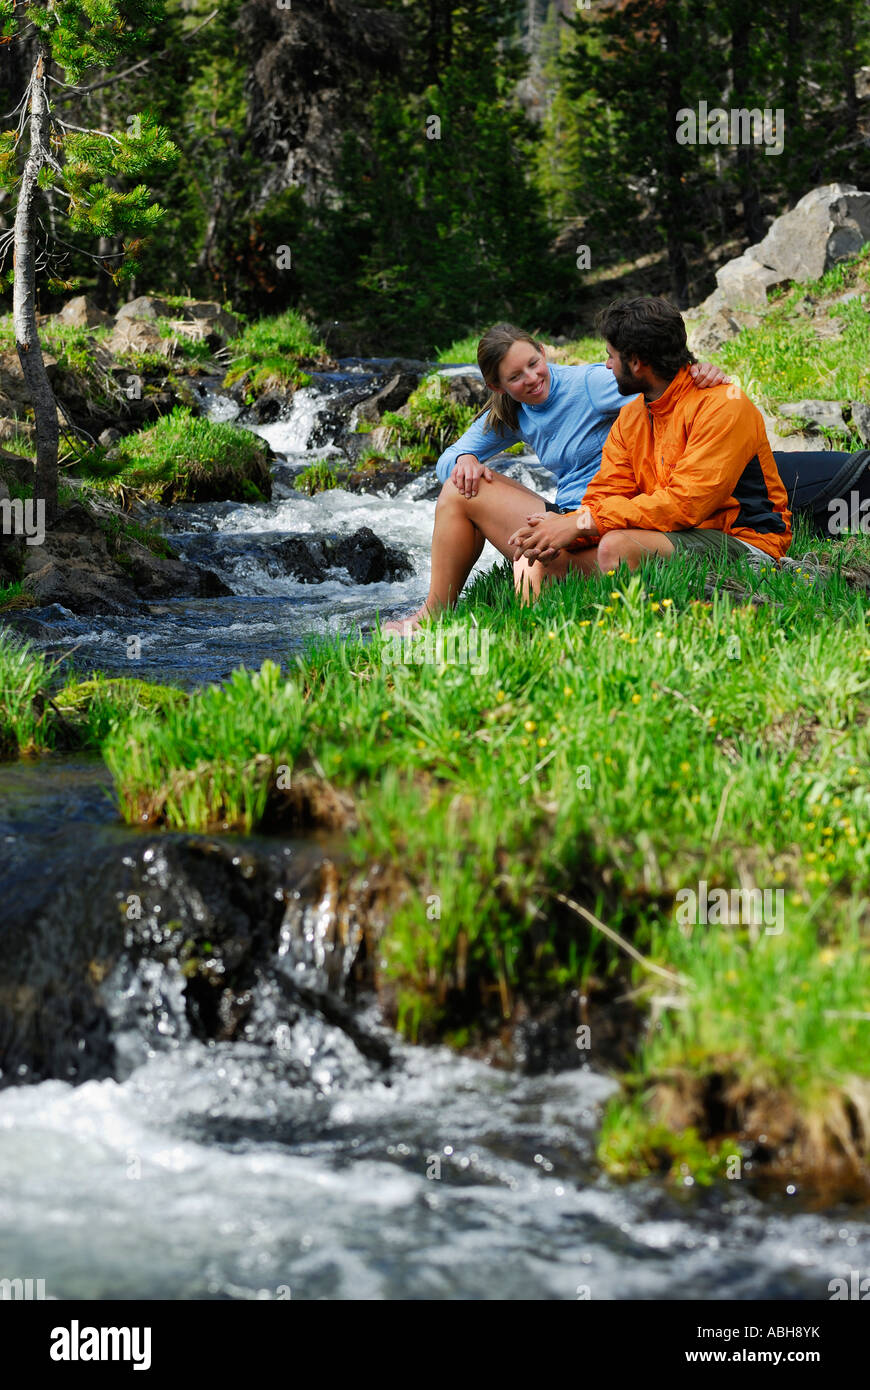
(681, 470)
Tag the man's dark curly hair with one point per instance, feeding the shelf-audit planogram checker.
(649, 328)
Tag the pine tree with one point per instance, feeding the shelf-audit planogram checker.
(46, 158)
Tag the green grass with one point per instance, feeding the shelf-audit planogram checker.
(460, 350)
(581, 350)
(622, 739)
(118, 531)
(39, 712)
(21, 444)
(433, 421)
(271, 350)
(184, 458)
(317, 477)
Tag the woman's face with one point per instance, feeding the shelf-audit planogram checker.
(523, 374)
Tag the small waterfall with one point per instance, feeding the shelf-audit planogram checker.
(291, 433)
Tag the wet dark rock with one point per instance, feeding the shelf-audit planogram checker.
(270, 406)
(467, 389)
(389, 479)
(83, 587)
(390, 397)
(172, 937)
(363, 554)
(553, 1034)
(368, 560)
(39, 623)
(75, 568)
(304, 557)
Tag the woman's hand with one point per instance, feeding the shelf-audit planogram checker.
(708, 374)
(543, 536)
(467, 473)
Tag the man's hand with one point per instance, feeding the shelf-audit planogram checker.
(584, 523)
(708, 374)
(543, 536)
(467, 473)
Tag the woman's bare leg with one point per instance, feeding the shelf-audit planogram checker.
(531, 575)
(462, 525)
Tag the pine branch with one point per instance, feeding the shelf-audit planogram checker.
(72, 91)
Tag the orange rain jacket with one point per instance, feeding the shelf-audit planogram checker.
(692, 458)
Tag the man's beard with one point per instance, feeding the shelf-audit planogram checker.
(627, 384)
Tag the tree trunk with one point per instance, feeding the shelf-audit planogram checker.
(675, 218)
(850, 63)
(107, 246)
(795, 170)
(753, 222)
(24, 295)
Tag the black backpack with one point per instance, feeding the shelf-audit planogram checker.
(818, 484)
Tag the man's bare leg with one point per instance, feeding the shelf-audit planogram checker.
(462, 525)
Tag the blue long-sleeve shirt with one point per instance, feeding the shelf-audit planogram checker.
(567, 432)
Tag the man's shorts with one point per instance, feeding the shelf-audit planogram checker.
(700, 540)
(707, 541)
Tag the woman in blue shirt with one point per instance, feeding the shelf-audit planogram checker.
(563, 413)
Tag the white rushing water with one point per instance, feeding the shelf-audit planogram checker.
(206, 1175)
(270, 613)
(303, 1171)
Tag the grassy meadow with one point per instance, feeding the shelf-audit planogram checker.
(545, 783)
(550, 788)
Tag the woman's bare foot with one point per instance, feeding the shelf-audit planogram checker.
(405, 626)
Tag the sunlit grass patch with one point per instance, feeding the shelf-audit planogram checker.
(785, 358)
(535, 775)
(272, 351)
(183, 458)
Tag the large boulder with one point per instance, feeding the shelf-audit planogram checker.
(821, 414)
(82, 312)
(744, 281)
(390, 397)
(75, 568)
(137, 335)
(208, 318)
(467, 388)
(146, 306)
(708, 336)
(76, 582)
(828, 225)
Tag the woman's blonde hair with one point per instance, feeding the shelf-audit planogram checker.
(500, 409)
